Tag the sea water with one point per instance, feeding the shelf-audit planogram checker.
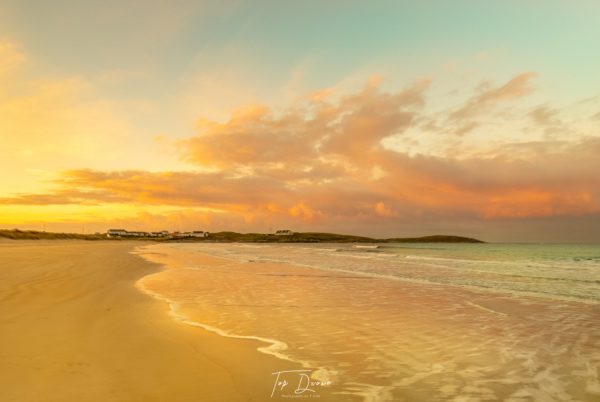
(387, 322)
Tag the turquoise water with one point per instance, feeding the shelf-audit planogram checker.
(560, 271)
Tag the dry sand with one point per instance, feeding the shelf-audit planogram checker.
(74, 328)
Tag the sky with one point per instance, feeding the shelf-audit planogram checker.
(380, 118)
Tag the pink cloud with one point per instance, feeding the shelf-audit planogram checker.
(313, 165)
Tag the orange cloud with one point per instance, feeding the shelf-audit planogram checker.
(381, 209)
(50, 123)
(323, 163)
(486, 187)
(530, 203)
(305, 212)
(487, 98)
(304, 139)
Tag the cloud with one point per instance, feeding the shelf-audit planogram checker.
(382, 210)
(487, 97)
(543, 115)
(60, 197)
(322, 164)
(307, 138)
(516, 87)
(548, 119)
(51, 123)
(305, 212)
(542, 184)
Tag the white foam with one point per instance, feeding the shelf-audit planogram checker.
(489, 310)
(381, 266)
(274, 348)
(518, 339)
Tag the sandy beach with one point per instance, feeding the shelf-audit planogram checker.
(341, 201)
(75, 328)
(131, 321)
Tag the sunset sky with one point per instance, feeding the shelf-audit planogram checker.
(381, 118)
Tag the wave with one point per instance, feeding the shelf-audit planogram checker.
(274, 347)
(392, 268)
(407, 364)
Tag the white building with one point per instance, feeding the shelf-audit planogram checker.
(126, 233)
(163, 233)
(116, 233)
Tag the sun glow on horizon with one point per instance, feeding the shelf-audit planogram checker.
(191, 127)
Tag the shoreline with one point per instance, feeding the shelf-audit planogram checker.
(271, 347)
(76, 328)
(274, 347)
(381, 337)
(79, 324)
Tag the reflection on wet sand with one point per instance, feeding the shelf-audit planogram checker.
(387, 339)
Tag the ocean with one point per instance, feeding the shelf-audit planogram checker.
(394, 322)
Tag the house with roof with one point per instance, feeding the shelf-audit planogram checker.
(116, 233)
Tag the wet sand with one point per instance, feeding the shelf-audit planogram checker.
(389, 340)
(75, 328)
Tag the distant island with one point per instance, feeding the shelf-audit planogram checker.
(228, 237)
